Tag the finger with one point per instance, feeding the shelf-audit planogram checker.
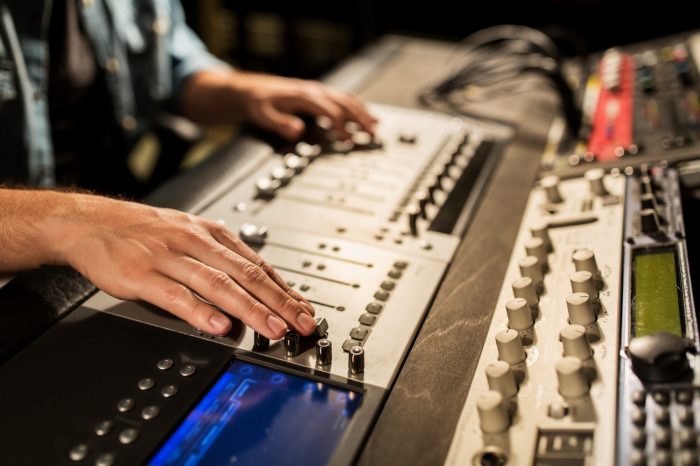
(319, 104)
(180, 301)
(222, 290)
(356, 110)
(226, 237)
(288, 126)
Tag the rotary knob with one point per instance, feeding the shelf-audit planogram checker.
(595, 178)
(580, 309)
(519, 315)
(550, 184)
(260, 342)
(500, 378)
(584, 260)
(660, 357)
(524, 287)
(582, 282)
(510, 347)
(324, 352)
(356, 360)
(292, 344)
(540, 229)
(492, 412)
(252, 234)
(575, 343)
(536, 247)
(530, 267)
(572, 380)
(649, 221)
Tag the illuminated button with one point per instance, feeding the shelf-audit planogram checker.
(146, 384)
(381, 295)
(169, 391)
(150, 412)
(575, 343)
(550, 185)
(127, 404)
(374, 308)
(368, 319)
(105, 459)
(394, 274)
(348, 344)
(78, 452)
(128, 436)
(359, 333)
(165, 364)
(530, 267)
(188, 370)
(103, 428)
(388, 285)
(519, 315)
(510, 347)
(639, 438)
(493, 415)
(572, 380)
(524, 288)
(500, 378)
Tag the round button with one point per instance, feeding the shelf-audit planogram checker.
(519, 315)
(128, 436)
(188, 370)
(501, 379)
(165, 364)
(510, 347)
(127, 404)
(78, 452)
(105, 459)
(492, 412)
(104, 427)
(150, 412)
(580, 309)
(572, 381)
(146, 384)
(169, 391)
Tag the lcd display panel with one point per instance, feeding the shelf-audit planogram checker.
(656, 302)
(254, 415)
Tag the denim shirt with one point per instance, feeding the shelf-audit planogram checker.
(144, 47)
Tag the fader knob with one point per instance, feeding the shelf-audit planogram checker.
(356, 360)
(530, 267)
(500, 378)
(580, 309)
(422, 198)
(324, 352)
(519, 315)
(510, 347)
(413, 213)
(524, 287)
(260, 342)
(540, 229)
(575, 343)
(649, 221)
(572, 380)
(584, 260)
(252, 234)
(595, 177)
(582, 282)
(536, 247)
(492, 412)
(550, 184)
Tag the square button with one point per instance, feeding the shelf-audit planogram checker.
(374, 308)
(348, 344)
(368, 319)
(359, 333)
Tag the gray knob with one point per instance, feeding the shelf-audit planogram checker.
(266, 188)
(524, 287)
(582, 282)
(540, 229)
(260, 342)
(530, 267)
(356, 360)
(510, 347)
(596, 177)
(580, 309)
(500, 378)
(519, 314)
(492, 412)
(573, 338)
(536, 247)
(324, 352)
(413, 213)
(292, 344)
(252, 234)
(572, 380)
(584, 260)
(649, 221)
(550, 184)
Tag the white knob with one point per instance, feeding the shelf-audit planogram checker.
(519, 314)
(573, 338)
(595, 177)
(550, 184)
(580, 308)
(510, 347)
(584, 260)
(501, 379)
(536, 247)
(530, 267)
(572, 381)
(540, 229)
(492, 412)
(524, 287)
(582, 282)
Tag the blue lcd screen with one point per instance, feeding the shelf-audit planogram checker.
(259, 416)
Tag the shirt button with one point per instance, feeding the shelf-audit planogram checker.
(112, 65)
(129, 123)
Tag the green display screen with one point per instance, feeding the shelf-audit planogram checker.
(656, 303)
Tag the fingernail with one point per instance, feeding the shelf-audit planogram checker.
(308, 307)
(306, 322)
(276, 325)
(219, 322)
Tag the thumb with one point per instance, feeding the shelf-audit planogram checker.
(284, 124)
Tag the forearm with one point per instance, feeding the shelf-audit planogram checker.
(212, 97)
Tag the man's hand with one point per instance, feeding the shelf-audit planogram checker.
(183, 264)
(271, 102)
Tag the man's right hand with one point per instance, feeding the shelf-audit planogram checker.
(186, 265)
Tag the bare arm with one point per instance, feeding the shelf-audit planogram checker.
(161, 256)
(272, 102)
